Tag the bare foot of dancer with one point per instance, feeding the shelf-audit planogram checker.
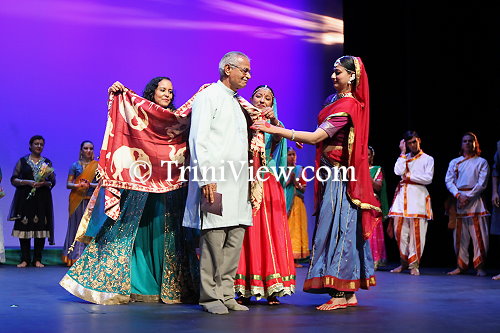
(456, 271)
(22, 264)
(39, 264)
(333, 304)
(481, 272)
(243, 300)
(351, 300)
(496, 277)
(414, 271)
(273, 300)
(398, 269)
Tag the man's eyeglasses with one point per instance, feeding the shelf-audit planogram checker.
(243, 70)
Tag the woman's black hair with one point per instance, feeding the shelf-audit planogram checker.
(347, 62)
(36, 137)
(149, 91)
(263, 86)
(84, 142)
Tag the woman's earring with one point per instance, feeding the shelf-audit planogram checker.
(351, 80)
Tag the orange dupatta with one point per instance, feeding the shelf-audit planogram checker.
(78, 194)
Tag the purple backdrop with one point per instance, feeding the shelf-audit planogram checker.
(59, 57)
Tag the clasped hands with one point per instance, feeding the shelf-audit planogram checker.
(35, 184)
(82, 184)
(462, 200)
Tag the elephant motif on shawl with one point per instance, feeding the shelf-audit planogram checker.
(134, 160)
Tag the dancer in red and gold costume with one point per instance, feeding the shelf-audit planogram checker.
(266, 267)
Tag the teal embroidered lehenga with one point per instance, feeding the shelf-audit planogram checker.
(145, 255)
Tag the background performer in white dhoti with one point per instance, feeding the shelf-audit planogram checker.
(466, 179)
(412, 203)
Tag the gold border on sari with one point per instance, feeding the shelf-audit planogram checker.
(358, 70)
(90, 295)
(144, 298)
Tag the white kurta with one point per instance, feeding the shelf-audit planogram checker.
(218, 139)
(468, 177)
(412, 199)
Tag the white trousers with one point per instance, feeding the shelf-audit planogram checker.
(475, 228)
(410, 236)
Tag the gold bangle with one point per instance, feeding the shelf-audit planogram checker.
(293, 135)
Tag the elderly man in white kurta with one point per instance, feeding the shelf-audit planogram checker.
(218, 143)
(466, 179)
(412, 204)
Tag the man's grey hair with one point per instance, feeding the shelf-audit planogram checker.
(230, 58)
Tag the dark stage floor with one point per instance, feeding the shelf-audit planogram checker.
(32, 301)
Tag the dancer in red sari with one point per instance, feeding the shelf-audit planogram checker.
(266, 267)
(347, 210)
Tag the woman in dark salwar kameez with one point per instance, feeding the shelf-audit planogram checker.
(32, 208)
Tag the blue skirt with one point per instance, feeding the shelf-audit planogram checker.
(341, 259)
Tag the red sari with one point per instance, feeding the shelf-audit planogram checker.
(266, 266)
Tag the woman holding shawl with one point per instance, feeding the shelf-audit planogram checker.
(347, 210)
(141, 252)
(266, 267)
(81, 182)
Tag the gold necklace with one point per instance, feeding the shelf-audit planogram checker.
(37, 161)
(342, 95)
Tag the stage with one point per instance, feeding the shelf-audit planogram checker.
(32, 301)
